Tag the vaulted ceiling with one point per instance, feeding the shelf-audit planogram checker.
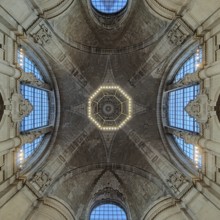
(128, 48)
(83, 55)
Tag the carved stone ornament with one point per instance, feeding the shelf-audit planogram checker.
(109, 193)
(43, 36)
(176, 36)
(42, 180)
(30, 137)
(30, 78)
(199, 108)
(175, 181)
(190, 138)
(189, 78)
(19, 107)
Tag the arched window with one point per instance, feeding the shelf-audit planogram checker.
(109, 6)
(179, 95)
(108, 211)
(39, 97)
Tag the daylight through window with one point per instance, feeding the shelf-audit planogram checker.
(108, 212)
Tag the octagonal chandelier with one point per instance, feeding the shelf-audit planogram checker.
(109, 108)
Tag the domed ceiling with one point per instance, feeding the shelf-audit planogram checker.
(130, 56)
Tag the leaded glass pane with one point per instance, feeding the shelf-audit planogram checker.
(109, 6)
(108, 212)
(177, 101)
(189, 150)
(190, 66)
(29, 148)
(39, 117)
(28, 66)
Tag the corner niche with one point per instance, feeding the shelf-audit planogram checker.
(217, 108)
(1, 107)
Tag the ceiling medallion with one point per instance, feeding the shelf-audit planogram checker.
(109, 108)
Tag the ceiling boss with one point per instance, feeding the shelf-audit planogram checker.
(109, 108)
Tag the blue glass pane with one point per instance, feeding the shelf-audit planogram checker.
(177, 101)
(28, 66)
(28, 149)
(108, 212)
(189, 151)
(109, 6)
(39, 117)
(190, 66)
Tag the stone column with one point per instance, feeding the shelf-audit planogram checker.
(9, 70)
(209, 145)
(23, 139)
(197, 140)
(10, 144)
(210, 71)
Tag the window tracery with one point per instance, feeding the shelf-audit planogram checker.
(39, 97)
(109, 6)
(179, 95)
(108, 211)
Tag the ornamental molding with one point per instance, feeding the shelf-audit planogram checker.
(41, 180)
(177, 35)
(188, 79)
(200, 108)
(176, 181)
(42, 36)
(160, 10)
(18, 108)
(47, 10)
(108, 193)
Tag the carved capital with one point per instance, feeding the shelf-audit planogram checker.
(109, 193)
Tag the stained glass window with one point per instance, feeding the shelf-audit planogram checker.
(108, 212)
(109, 6)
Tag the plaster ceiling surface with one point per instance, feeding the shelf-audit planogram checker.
(78, 29)
(103, 147)
(81, 188)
